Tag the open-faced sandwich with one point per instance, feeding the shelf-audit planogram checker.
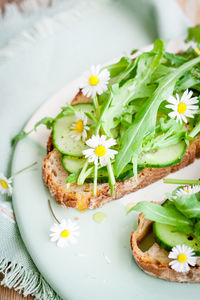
(166, 243)
(131, 124)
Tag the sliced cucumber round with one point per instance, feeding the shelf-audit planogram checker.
(168, 237)
(72, 164)
(62, 138)
(163, 157)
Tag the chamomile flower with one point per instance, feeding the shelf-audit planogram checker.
(79, 128)
(197, 50)
(99, 149)
(64, 233)
(95, 81)
(183, 107)
(182, 256)
(5, 185)
(188, 190)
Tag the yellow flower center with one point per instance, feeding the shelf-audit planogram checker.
(187, 191)
(182, 258)
(197, 50)
(4, 184)
(65, 233)
(182, 107)
(79, 126)
(93, 80)
(100, 150)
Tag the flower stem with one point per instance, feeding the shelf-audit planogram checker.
(111, 177)
(24, 169)
(95, 179)
(82, 177)
(52, 212)
(180, 181)
(96, 105)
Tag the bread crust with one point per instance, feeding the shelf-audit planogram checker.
(82, 196)
(155, 261)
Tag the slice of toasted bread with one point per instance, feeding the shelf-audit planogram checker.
(155, 261)
(54, 176)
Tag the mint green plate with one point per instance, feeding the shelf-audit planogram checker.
(100, 266)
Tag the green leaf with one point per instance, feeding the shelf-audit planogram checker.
(195, 130)
(174, 59)
(133, 88)
(72, 178)
(194, 34)
(19, 136)
(188, 205)
(121, 69)
(145, 119)
(47, 121)
(165, 215)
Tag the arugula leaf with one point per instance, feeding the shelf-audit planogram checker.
(145, 119)
(174, 59)
(194, 34)
(167, 134)
(19, 136)
(121, 69)
(188, 205)
(165, 215)
(72, 178)
(195, 130)
(47, 121)
(188, 81)
(133, 88)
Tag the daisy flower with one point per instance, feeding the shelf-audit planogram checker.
(64, 233)
(79, 128)
(182, 256)
(95, 81)
(99, 149)
(183, 107)
(188, 190)
(5, 185)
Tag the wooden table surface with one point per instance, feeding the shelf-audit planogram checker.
(192, 9)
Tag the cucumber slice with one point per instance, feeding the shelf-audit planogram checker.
(62, 139)
(72, 164)
(163, 157)
(167, 237)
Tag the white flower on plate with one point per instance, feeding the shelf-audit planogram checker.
(188, 190)
(64, 233)
(100, 149)
(95, 81)
(79, 128)
(182, 256)
(5, 185)
(183, 107)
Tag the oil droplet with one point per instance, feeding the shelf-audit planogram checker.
(99, 217)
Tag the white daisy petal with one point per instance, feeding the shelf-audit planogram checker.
(183, 107)
(100, 144)
(104, 161)
(66, 233)
(95, 81)
(5, 185)
(182, 256)
(172, 100)
(188, 190)
(79, 128)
